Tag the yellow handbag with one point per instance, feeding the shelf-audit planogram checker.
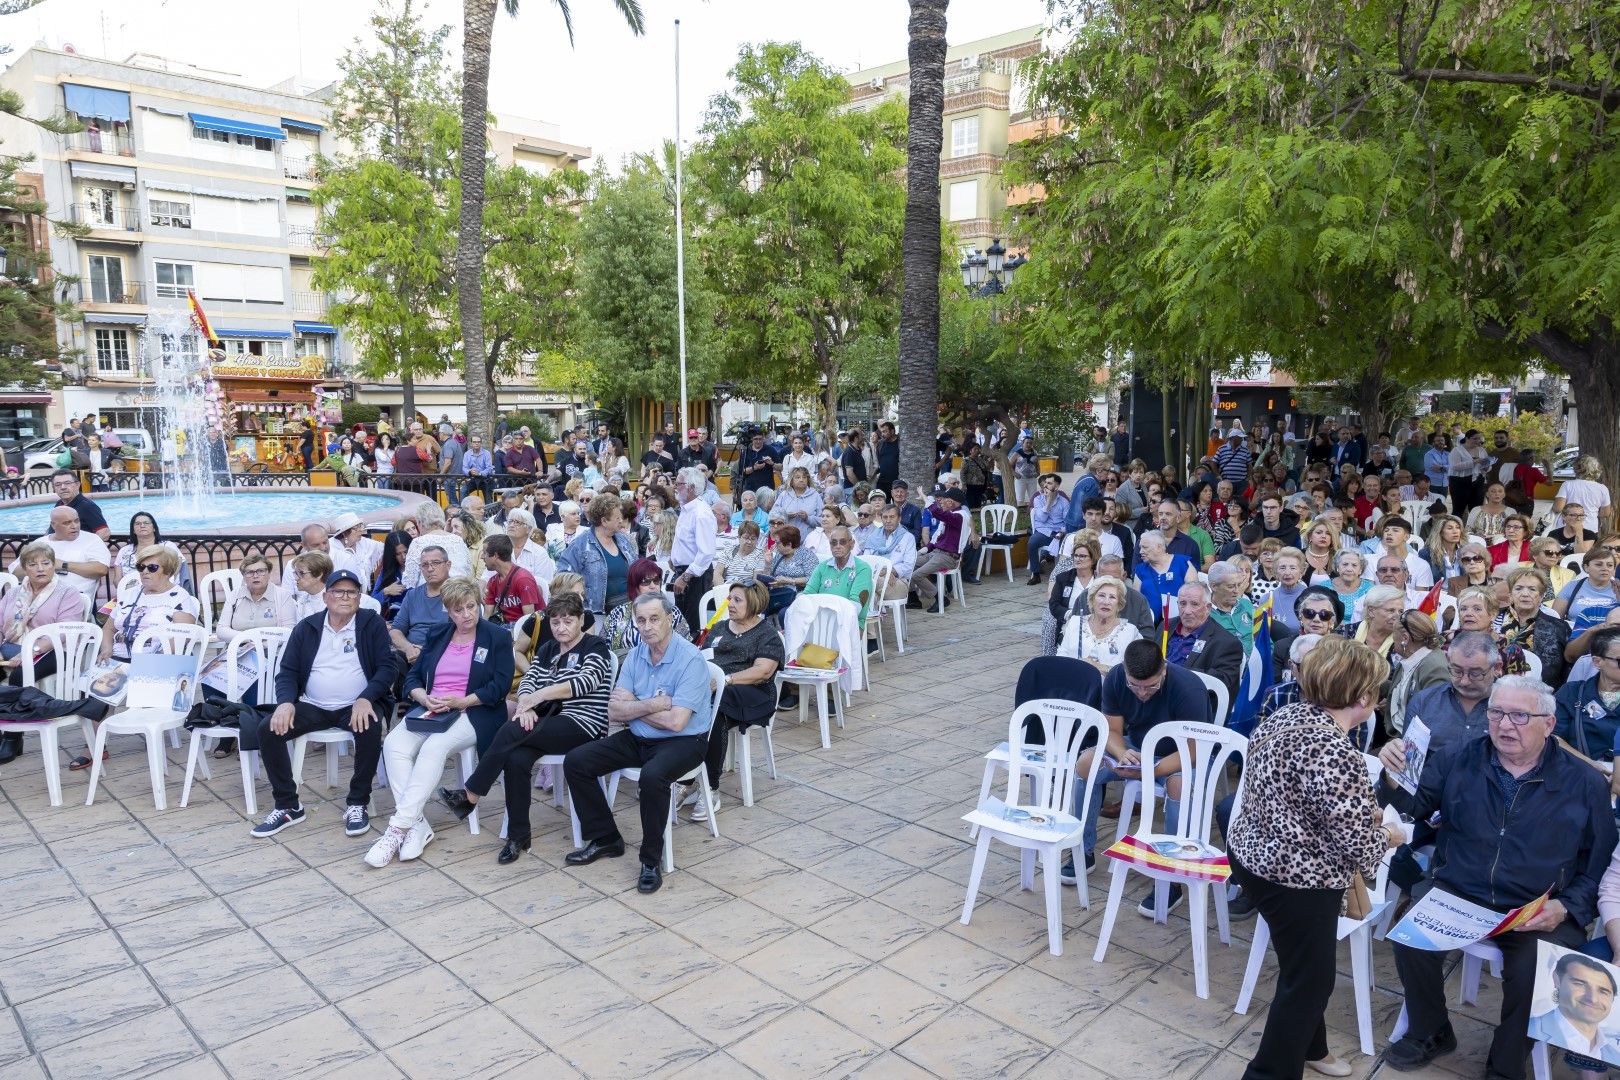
(817, 656)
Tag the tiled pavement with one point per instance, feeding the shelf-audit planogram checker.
(818, 937)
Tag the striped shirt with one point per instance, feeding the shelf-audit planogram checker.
(585, 668)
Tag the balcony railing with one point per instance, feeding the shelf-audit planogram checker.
(102, 142)
(100, 292)
(313, 303)
(297, 167)
(101, 216)
(304, 236)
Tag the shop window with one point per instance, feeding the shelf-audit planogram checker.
(181, 354)
(112, 352)
(21, 423)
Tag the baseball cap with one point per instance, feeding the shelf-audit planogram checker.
(694, 433)
(344, 575)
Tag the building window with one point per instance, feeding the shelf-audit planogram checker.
(964, 204)
(965, 136)
(314, 345)
(107, 279)
(173, 279)
(22, 423)
(171, 212)
(112, 352)
(181, 355)
(256, 347)
(255, 142)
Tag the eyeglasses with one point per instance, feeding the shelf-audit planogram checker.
(434, 564)
(1316, 613)
(1611, 659)
(1517, 719)
(1469, 673)
(1473, 558)
(344, 594)
(149, 568)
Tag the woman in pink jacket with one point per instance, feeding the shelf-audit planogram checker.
(42, 597)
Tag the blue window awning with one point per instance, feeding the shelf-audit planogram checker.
(93, 101)
(300, 125)
(115, 320)
(252, 333)
(236, 127)
(314, 327)
(90, 170)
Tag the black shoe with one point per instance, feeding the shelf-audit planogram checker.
(871, 646)
(594, 850)
(789, 701)
(512, 851)
(651, 879)
(913, 603)
(1034, 579)
(1240, 907)
(1412, 1053)
(1171, 901)
(457, 801)
(935, 608)
(225, 748)
(10, 747)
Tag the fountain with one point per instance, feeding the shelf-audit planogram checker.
(195, 499)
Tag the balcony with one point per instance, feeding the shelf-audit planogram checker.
(305, 236)
(102, 142)
(309, 303)
(298, 167)
(101, 217)
(969, 165)
(105, 293)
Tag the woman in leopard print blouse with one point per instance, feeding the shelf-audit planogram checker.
(1308, 823)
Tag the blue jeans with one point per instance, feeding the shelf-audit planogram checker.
(1037, 547)
(1172, 808)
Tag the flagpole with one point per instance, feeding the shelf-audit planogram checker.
(680, 243)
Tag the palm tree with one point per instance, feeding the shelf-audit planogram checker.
(478, 27)
(920, 248)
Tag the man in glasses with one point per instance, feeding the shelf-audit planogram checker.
(1275, 522)
(1395, 571)
(316, 539)
(1519, 816)
(337, 672)
(421, 609)
(843, 574)
(1454, 711)
(1589, 709)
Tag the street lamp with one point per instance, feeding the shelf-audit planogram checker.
(989, 272)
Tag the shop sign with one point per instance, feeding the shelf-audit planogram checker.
(248, 366)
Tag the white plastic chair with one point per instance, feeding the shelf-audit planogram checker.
(559, 781)
(1050, 768)
(175, 639)
(949, 583)
(1205, 751)
(996, 518)
(1357, 931)
(882, 571)
(336, 741)
(1219, 715)
(698, 775)
(1416, 512)
(894, 610)
(742, 748)
(1572, 563)
(7, 581)
(268, 643)
(75, 645)
(226, 581)
(1474, 959)
(1532, 664)
(712, 603)
(822, 681)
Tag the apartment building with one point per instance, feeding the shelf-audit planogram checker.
(984, 98)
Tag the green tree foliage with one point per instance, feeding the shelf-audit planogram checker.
(799, 229)
(627, 291)
(1376, 192)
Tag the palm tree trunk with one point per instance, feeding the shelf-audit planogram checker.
(919, 252)
(479, 24)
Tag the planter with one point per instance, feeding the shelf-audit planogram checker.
(722, 482)
(1549, 490)
(1049, 464)
(323, 478)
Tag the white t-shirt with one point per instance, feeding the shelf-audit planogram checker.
(1589, 494)
(454, 547)
(362, 558)
(144, 611)
(335, 677)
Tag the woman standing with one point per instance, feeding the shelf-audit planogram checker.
(748, 649)
(602, 555)
(382, 458)
(1301, 837)
(1099, 638)
(1588, 491)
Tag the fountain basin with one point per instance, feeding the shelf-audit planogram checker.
(226, 512)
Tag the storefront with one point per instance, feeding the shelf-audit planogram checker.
(268, 394)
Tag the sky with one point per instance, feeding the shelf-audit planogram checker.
(612, 91)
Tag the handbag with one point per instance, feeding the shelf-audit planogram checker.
(423, 722)
(812, 655)
(1357, 904)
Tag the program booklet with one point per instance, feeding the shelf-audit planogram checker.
(1442, 921)
(161, 681)
(1416, 737)
(108, 681)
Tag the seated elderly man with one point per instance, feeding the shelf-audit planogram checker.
(338, 671)
(843, 574)
(421, 610)
(1229, 608)
(432, 532)
(663, 699)
(1137, 693)
(895, 543)
(1519, 816)
(81, 556)
(316, 539)
(1195, 641)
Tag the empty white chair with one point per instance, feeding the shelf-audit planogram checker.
(1205, 751)
(882, 572)
(222, 582)
(174, 639)
(1042, 823)
(267, 644)
(75, 645)
(993, 519)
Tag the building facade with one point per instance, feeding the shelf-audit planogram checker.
(984, 97)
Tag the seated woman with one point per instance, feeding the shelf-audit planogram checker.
(748, 510)
(562, 703)
(1587, 600)
(389, 587)
(143, 533)
(747, 647)
(533, 631)
(41, 598)
(260, 602)
(644, 576)
(310, 571)
(459, 680)
(1099, 637)
(789, 569)
(1347, 581)
(1160, 574)
(1544, 556)
(1573, 537)
(745, 562)
(1514, 547)
(1475, 560)
(1477, 610)
(1528, 625)
(1071, 577)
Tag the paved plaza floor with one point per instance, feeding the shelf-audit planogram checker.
(818, 937)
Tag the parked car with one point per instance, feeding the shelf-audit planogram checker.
(39, 456)
(1563, 463)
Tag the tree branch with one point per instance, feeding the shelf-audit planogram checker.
(1608, 97)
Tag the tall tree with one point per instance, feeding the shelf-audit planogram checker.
(919, 298)
(385, 201)
(478, 27)
(801, 219)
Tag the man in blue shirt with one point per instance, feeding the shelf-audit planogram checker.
(478, 463)
(1089, 486)
(663, 697)
(911, 515)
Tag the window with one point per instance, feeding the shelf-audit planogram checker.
(112, 352)
(313, 345)
(174, 213)
(255, 347)
(182, 354)
(964, 204)
(965, 137)
(173, 279)
(210, 136)
(253, 142)
(107, 280)
(101, 205)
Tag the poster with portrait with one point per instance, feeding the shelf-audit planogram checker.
(1574, 1004)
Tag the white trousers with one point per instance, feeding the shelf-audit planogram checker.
(415, 764)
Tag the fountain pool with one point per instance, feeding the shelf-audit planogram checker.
(255, 512)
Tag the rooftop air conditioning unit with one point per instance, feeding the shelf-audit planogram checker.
(876, 84)
(970, 61)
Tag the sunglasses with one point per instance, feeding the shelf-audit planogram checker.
(1315, 613)
(149, 568)
(1473, 558)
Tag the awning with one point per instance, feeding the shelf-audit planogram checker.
(299, 195)
(117, 320)
(88, 101)
(258, 334)
(236, 127)
(300, 125)
(314, 327)
(25, 399)
(88, 170)
(213, 193)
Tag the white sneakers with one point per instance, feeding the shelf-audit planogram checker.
(407, 844)
(701, 812)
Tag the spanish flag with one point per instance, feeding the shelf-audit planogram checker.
(200, 320)
(1430, 603)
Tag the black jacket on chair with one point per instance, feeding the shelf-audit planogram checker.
(1221, 656)
(489, 680)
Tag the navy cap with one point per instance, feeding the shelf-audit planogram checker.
(344, 575)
